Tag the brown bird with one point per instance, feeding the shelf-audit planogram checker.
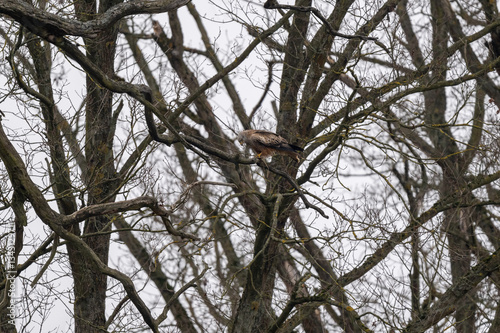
(265, 144)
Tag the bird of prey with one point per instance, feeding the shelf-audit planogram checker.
(265, 144)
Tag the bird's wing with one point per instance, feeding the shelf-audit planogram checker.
(269, 139)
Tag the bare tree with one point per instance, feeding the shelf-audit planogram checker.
(133, 205)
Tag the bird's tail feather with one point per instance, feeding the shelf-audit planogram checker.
(296, 148)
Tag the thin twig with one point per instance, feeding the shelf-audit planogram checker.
(266, 89)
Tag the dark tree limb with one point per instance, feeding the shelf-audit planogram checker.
(48, 24)
(123, 206)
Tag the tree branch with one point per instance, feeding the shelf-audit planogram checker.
(123, 206)
(47, 24)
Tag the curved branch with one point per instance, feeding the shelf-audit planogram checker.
(270, 65)
(143, 94)
(27, 89)
(123, 206)
(47, 24)
(47, 263)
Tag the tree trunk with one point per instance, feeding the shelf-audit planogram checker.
(100, 176)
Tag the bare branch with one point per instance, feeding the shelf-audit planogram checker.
(47, 24)
(124, 206)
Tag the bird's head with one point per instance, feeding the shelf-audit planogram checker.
(240, 138)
